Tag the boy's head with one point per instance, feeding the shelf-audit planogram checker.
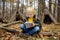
(30, 12)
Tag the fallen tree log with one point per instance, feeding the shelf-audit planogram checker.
(6, 25)
(7, 29)
(47, 34)
(10, 30)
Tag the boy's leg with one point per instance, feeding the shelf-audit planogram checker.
(24, 29)
(22, 26)
(34, 30)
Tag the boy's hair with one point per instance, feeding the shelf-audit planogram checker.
(30, 9)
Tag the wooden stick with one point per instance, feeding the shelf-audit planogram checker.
(5, 25)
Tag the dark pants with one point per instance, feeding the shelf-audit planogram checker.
(30, 31)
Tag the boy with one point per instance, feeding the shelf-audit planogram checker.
(30, 18)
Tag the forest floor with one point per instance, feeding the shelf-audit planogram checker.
(53, 28)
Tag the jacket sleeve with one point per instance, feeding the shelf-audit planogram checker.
(23, 21)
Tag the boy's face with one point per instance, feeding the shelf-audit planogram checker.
(30, 14)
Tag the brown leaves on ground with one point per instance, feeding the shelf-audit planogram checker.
(10, 36)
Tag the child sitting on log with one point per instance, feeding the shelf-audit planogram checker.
(30, 25)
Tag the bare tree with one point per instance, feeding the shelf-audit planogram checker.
(58, 11)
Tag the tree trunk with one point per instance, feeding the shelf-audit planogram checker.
(55, 10)
(3, 6)
(49, 5)
(58, 11)
(41, 5)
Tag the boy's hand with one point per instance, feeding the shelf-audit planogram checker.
(34, 24)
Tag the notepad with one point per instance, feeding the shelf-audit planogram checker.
(29, 25)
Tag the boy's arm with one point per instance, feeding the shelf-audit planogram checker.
(23, 21)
